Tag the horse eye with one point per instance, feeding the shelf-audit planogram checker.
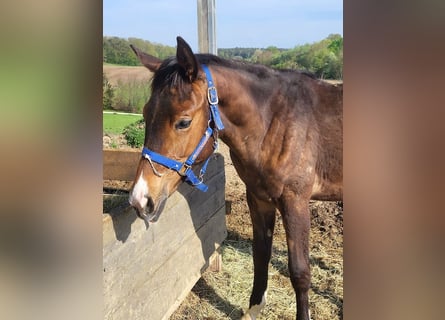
(183, 124)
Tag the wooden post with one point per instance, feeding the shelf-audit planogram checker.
(207, 26)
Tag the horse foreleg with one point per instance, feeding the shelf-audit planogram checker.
(263, 221)
(296, 220)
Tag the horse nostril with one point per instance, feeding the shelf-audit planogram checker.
(150, 205)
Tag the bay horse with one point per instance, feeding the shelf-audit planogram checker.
(284, 129)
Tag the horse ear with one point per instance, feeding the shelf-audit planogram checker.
(186, 59)
(152, 63)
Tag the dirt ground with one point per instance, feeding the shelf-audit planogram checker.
(225, 295)
(326, 255)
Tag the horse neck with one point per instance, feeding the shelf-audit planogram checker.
(241, 115)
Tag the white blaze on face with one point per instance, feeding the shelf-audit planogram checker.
(138, 197)
(255, 310)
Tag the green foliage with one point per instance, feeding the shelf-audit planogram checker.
(114, 145)
(236, 53)
(336, 45)
(324, 58)
(135, 133)
(131, 96)
(117, 50)
(108, 93)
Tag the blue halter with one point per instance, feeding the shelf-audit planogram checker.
(184, 168)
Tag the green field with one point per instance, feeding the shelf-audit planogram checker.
(115, 123)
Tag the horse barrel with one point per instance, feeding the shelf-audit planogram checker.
(149, 269)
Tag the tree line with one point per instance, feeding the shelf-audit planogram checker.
(117, 50)
(323, 58)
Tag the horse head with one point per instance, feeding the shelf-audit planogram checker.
(176, 117)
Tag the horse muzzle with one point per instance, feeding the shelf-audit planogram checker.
(147, 209)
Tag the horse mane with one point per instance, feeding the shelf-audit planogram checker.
(171, 75)
(254, 68)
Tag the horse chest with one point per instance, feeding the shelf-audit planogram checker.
(265, 183)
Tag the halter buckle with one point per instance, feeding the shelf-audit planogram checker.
(212, 95)
(184, 169)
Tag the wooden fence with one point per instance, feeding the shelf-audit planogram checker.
(150, 268)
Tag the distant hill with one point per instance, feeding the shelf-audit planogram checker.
(323, 58)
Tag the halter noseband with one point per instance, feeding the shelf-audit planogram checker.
(184, 168)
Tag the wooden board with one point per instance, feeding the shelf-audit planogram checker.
(120, 164)
(149, 271)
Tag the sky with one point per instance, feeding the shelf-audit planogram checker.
(239, 23)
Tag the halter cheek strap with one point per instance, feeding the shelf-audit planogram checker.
(184, 168)
(212, 96)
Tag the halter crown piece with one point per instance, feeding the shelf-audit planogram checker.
(184, 169)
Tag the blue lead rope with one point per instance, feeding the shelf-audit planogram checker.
(185, 168)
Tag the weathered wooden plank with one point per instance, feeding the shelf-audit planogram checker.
(160, 240)
(120, 164)
(215, 262)
(148, 272)
(156, 295)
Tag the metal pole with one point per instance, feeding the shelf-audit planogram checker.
(207, 26)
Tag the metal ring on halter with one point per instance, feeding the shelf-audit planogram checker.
(201, 180)
(156, 172)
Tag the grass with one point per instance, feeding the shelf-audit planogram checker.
(115, 123)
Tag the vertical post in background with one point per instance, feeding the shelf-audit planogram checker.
(207, 26)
